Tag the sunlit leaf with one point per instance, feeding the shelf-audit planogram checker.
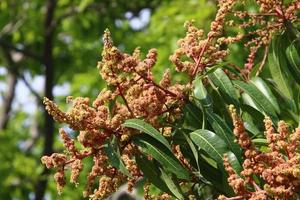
(266, 91)
(259, 98)
(223, 131)
(221, 80)
(201, 94)
(212, 144)
(277, 66)
(148, 129)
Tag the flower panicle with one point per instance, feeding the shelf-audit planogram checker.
(278, 167)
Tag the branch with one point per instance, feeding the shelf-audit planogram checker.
(156, 85)
(11, 89)
(198, 60)
(12, 26)
(263, 61)
(35, 93)
(24, 50)
(41, 184)
(125, 101)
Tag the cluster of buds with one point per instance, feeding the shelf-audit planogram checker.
(260, 27)
(197, 51)
(131, 93)
(200, 51)
(278, 167)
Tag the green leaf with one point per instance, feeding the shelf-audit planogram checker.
(234, 162)
(292, 53)
(277, 64)
(221, 80)
(260, 141)
(209, 70)
(263, 103)
(249, 126)
(172, 185)
(200, 94)
(151, 172)
(215, 176)
(192, 116)
(193, 148)
(212, 144)
(113, 153)
(263, 87)
(148, 129)
(249, 101)
(162, 154)
(222, 130)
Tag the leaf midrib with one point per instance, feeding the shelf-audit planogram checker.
(207, 142)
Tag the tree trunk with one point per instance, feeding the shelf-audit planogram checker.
(49, 73)
(9, 96)
(12, 79)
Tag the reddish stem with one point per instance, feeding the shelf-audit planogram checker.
(158, 86)
(124, 99)
(80, 156)
(257, 188)
(164, 111)
(235, 198)
(201, 55)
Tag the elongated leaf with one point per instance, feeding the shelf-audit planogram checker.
(151, 172)
(221, 80)
(297, 99)
(252, 117)
(249, 101)
(291, 109)
(263, 103)
(162, 154)
(193, 149)
(212, 144)
(112, 151)
(260, 141)
(263, 87)
(234, 162)
(214, 176)
(200, 94)
(148, 129)
(172, 185)
(252, 128)
(192, 116)
(188, 154)
(293, 56)
(277, 66)
(222, 130)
